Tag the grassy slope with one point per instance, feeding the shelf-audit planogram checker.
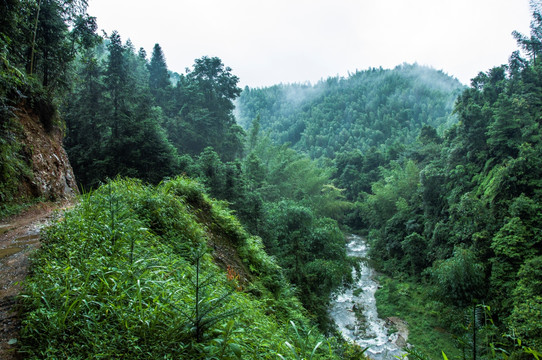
(115, 279)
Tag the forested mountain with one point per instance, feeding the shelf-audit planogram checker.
(361, 122)
(124, 115)
(443, 180)
(370, 108)
(463, 210)
(447, 194)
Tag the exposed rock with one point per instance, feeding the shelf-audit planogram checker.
(401, 336)
(400, 342)
(53, 177)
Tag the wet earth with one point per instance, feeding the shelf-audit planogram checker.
(19, 237)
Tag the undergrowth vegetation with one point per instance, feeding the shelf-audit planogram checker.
(12, 163)
(412, 303)
(129, 273)
(444, 330)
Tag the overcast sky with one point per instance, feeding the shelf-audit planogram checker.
(267, 42)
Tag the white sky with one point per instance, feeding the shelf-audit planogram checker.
(267, 42)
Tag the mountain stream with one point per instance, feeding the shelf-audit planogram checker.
(354, 309)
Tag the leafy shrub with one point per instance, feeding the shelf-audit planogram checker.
(460, 278)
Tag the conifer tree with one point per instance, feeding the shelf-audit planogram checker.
(86, 128)
(158, 76)
(112, 127)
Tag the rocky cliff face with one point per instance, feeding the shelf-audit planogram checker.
(52, 175)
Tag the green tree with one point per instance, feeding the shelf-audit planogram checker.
(113, 129)
(212, 171)
(85, 125)
(159, 77)
(254, 131)
(460, 278)
(533, 44)
(415, 249)
(218, 87)
(526, 317)
(504, 134)
(255, 171)
(117, 80)
(513, 244)
(310, 249)
(11, 26)
(50, 50)
(206, 309)
(201, 115)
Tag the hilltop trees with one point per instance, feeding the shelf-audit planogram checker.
(139, 121)
(357, 125)
(532, 45)
(44, 37)
(205, 104)
(372, 108)
(112, 127)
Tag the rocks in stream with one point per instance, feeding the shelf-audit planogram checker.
(354, 311)
(399, 337)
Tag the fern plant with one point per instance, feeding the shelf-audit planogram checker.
(208, 305)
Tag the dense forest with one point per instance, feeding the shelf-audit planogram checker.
(372, 108)
(212, 218)
(126, 115)
(358, 124)
(450, 200)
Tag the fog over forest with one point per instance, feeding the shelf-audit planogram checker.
(360, 214)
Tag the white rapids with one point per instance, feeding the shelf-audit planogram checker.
(371, 331)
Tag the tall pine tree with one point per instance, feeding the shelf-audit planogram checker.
(159, 77)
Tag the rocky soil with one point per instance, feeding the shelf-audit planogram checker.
(52, 175)
(19, 237)
(401, 336)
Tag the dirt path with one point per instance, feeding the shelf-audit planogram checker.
(19, 237)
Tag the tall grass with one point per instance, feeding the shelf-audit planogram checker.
(117, 278)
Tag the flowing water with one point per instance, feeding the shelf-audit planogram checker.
(354, 309)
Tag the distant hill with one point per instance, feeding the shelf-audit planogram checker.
(368, 108)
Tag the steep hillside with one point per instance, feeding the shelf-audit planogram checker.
(35, 165)
(368, 108)
(52, 176)
(33, 162)
(143, 272)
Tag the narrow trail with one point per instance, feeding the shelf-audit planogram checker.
(19, 237)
